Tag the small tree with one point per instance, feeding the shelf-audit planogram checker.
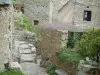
(89, 45)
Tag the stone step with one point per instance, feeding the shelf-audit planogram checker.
(27, 57)
(24, 46)
(25, 51)
(15, 65)
(60, 72)
(33, 50)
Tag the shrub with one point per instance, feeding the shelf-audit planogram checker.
(89, 45)
(67, 55)
(22, 22)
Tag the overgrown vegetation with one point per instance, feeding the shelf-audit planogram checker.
(68, 55)
(12, 72)
(51, 70)
(23, 23)
(89, 45)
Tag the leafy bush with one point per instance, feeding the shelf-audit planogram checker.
(51, 70)
(67, 55)
(89, 45)
(11, 72)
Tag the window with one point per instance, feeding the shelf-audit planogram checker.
(17, 8)
(36, 22)
(87, 15)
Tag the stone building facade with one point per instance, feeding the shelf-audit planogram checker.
(54, 6)
(80, 14)
(6, 9)
(42, 12)
(37, 11)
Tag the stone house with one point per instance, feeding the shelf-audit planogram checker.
(77, 16)
(42, 12)
(6, 24)
(80, 13)
(75, 13)
(37, 11)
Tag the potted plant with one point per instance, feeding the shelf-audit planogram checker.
(70, 43)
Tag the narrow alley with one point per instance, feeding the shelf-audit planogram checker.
(27, 53)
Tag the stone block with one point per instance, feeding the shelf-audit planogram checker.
(60, 72)
(25, 51)
(33, 50)
(27, 57)
(15, 65)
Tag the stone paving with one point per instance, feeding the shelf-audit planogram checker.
(27, 54)
(33, 69)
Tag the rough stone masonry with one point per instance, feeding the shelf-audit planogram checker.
(6, 10)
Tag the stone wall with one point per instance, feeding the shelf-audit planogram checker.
(51, 42)
(74, 13)
(55, 7)
(29, 37)
(65, 15)
(91, 5)
(5, 34)
(37, 10)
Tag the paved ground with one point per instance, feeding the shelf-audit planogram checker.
(33, 69)
(27, 57)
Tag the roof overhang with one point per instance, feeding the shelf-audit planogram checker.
(69, 27)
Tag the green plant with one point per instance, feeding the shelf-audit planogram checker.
(89, 45)
(22, 22)
(18, 20)
(67, 55)
(12, 72)
(51, 70)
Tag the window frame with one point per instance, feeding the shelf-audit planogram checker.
(87, 15)
(36, 22)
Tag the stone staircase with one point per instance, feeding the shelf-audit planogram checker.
(27, 52)
(27, 58)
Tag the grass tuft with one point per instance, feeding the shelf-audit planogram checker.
(12, 72)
